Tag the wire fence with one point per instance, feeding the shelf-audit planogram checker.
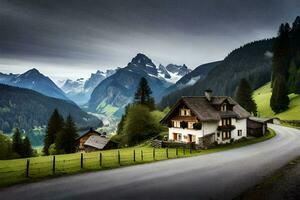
(57, 165)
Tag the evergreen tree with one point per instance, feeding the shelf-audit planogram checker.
(27, 150)
(244, 97)
(282, 53)
(139, 125)
(143, 95)
(279, 100)
(5, 147)
(17, 142)
(66, 138)
(122, 121)
(55, 125)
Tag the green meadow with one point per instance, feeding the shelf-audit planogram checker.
(15, 171)
(262, 98)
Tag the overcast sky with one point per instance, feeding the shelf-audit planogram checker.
(72, 38)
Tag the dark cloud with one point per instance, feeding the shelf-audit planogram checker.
(90, 34)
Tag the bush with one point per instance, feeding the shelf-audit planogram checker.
(52, 149)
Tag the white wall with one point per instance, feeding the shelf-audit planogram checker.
(207, 128)
(211, 127)
(239, 125)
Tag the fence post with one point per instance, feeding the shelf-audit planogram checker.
(153, 153)
(53, 165)
(142, 156)
(27, 168)
(133, 155)
(167, 152)
(81, 161)
(183, 150)
(100, 159)
(190, 150)
(119, 157)
(176, 152)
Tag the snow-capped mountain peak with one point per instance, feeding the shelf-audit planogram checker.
(172, 73)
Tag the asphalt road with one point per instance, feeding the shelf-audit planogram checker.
(222, 175)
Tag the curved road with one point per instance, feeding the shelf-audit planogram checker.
(222, 175)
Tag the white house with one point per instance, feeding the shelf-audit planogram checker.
(206, 119)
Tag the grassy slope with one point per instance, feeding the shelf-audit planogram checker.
(262, 98)
(13, 171)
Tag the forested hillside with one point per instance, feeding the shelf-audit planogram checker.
(251, 61)
(27, 109)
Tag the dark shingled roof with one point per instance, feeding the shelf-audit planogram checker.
(205, 109)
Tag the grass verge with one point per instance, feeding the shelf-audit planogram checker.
(14, 171)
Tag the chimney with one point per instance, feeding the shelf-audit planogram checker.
(208, 94)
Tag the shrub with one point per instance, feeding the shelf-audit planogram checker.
(52, 149)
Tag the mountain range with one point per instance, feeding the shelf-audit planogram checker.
(34, 80)
(80, 90)
(116, 91)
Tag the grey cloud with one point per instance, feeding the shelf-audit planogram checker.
(105, 33)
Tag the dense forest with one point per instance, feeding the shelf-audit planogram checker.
(251, 62)
(27, 109)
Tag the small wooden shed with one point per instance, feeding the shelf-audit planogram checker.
(93, 141)
(257, 126)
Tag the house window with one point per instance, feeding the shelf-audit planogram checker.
(218, 134)
(176, 124)
(190, 125)
(226, 121)
(185, 112)
(226, 135)
(239, 132)
(223, 107)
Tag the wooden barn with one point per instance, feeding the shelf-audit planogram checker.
(93, 141)
(257, 126)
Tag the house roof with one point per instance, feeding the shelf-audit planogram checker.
(96, 141)
(205, 110)
(90, 131)
(259, 119)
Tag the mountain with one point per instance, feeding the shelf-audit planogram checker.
(26, 109)
(251, 61)
(34, 80)
(80, 90)
(115, 92)
(191, 78)
(172, 73)
(6, 78)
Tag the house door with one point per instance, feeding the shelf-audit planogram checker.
(175, 136)
(190, 138)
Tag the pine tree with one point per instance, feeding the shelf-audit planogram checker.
(279, 100)
(26, 148)
(66, 139)
(122, 121)
(143, 95)
(282, 53)
(17, 142)
(244, 97)
(55, 125)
